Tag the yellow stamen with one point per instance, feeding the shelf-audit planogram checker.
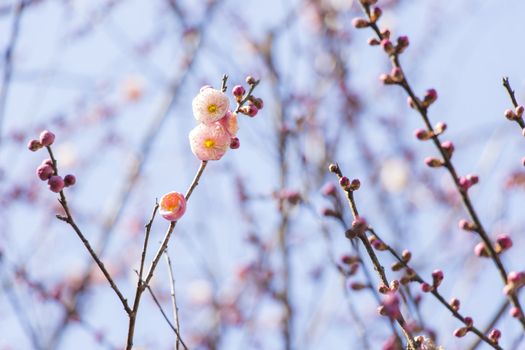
(212, 108)
(209, 143)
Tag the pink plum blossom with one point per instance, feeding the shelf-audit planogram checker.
(229, 123)
(210, 105)
(209, 142)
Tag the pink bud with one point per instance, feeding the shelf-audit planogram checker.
(455, 304)
(495, 334)
(386, 79)
(474, 179)
(373, 42)
(510, 115)
(44, 172)
(258, 102)
(440, 128)
(251, 110)
(172, 206)
(328, 189)
(421, 134)
(47, 138)
(34, 145)
(235, 143)
(437, 277)
(481, 250)
(461, 332)
(515, 312)
(433, 162)
(504, 241)
(469, 321)
(69, 180)
(448, 147)
(519, 111)
(359, 225)
(238, 92)
(466, 225)
(402, 43)
(355, 184)
(344, 182)
(464, 183)
(425, 287)
(360, 23)
(387, 46)
(430, 97)
(55, 183)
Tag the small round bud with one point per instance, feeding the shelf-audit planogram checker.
(56, 183)
(359, 225)
(455, 304)
(474, 179)
(466, 225)
(464, 183)
(495, 334)
(402, 43)
(375, 14)
(329, 189)
(34, 145)
(47, 161)
(461, 332)
(422, 134)
(406, 256)
(426, 288)
(235, 143)
(481, 250)
(373, 42)
(355, 184)
(510, 115)
(344, 182)
(388, 46)
(238, 92)
(519, 111)
(515, 312)
(469, 321)
(70, 180)
(397, 74)
(437, 278)
(440, 128)
(44, 172)
(360, 23)
(47, 138)
(448, 147)
(386, 79)
(251, 111)
(333, 168)
(250, 80)
(258, 102)
(433, 162)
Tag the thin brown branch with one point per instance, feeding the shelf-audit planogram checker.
(447, 163)
(175, 308)
(512, 96)
(68, 218)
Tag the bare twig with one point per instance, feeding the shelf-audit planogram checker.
(175, 308)
(447, 163)
(68, 218)
(8, 61)
(512, 96)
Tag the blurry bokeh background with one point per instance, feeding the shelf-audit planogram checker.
(114, 80)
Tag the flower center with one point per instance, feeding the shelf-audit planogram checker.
(209, 143)
(212, 108)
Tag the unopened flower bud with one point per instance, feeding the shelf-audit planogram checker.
(406, 255)
(355, 184)
(433, 162)
(440, 128)
(250, 80)
(386, 79)
(358, 286)
(47, 138)
(469, 321)
(388, 46)
(258, 102)
(430, 97)
(55, 183)
(461, 332)
(235, 143)
(510, 115)
(426, 288)
(238, 92)
(359, 225)
(503, 242)
(455, 304)
(360, 23)
(385, 34)
(495, 334)
(519, 111)
(44, 172)
(373, 42)
(466, 225)
(375, 14)
(422, 134)
(481, 250)
(397, 74)
(34, 145)
(333, 168)
(448, 147)
(69, 180)
(344, 182)
(402, 43)
(437, 278)
(515, 312)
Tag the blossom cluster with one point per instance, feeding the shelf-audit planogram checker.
(218, 126)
